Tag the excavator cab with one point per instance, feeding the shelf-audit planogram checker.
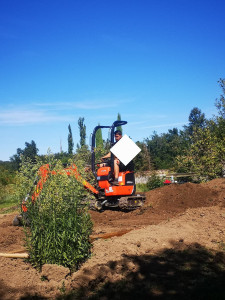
(123, 194)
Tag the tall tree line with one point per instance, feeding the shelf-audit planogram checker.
(198, 147)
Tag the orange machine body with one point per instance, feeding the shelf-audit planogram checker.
(122, 189)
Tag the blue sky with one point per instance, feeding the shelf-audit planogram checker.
(151, 61)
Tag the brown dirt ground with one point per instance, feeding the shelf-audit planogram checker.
(160, 251)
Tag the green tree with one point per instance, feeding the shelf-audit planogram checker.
(220, 121)
(30, 151)
(206, 155)
(6, 177)
(220, 103)
(119, 119)
(64, 157)
(70, 141)
(83, 154)
(82, 129)
(99, 140)
(196, 120)
(202, 157)
(164, 148)
(142, 161)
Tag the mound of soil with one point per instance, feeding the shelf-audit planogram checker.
(177, 197)
(162, 204)
(164, 250)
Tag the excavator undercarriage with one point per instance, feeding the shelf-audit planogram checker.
(123, 203)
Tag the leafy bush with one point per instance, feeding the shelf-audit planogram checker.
(7, 198)
(141, 188)
(59, 223)
(7, 187)
(6, 177)
(154, 182)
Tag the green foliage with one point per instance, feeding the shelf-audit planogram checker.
(26, 177)
(196, 120)
(6, 176)
(82, 129)
(99, 152)
(154, 182)
(7, 186)
(70, 141)
(83, 154)
(219, 129)
(99, 140)
(220, 103)
(164, 148)
(205, 156)
(141, 188)
(7, 165)
(142, 161)
(59, 221)
(7, 198)
(64, 157)
(30, 152)
(119, 119)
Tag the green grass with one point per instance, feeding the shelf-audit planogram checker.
(7, 199)
(141, 188)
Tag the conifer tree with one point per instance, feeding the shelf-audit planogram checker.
(119, 119)
(70, 141)
(82, 129)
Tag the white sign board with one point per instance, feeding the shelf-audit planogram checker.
(125, 150)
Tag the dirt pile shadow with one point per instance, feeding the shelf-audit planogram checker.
(7, 292)
(190, 272)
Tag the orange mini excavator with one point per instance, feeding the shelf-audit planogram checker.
(109, 195)
(106, 195)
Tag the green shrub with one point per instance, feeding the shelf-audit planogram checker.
(154, 182)
(7, 187)
(6, 176)
(7, 198)
(141, 188)
(59, 222)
